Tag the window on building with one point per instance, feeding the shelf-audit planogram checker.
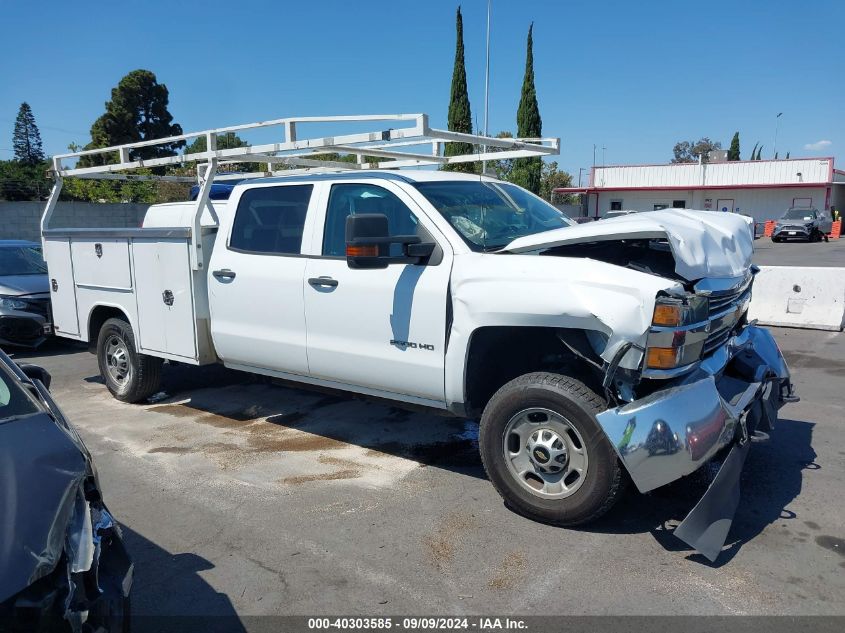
(346, 200)
(616, 205)
(271, 220)
(679, 204)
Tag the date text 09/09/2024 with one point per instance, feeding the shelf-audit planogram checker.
(419, 623)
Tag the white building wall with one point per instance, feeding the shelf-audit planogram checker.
(766, 172)
(761, 204)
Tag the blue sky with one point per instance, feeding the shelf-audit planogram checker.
(633, 77)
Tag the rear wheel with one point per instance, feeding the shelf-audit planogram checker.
(545, 452)
(129, 376)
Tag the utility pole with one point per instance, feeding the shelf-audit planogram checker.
(603, 148)
(487, 83)
(594, 154)
(777, 124)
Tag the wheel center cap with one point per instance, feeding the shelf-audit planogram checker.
(541, 454)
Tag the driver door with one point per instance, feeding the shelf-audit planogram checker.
(381, 329)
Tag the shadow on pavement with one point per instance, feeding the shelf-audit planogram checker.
(771, 479)
(169, 594)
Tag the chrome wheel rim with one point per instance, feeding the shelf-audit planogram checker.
(545, 453)
(117, 360)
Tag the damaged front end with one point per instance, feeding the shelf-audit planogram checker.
(63, 565)
(730, 399)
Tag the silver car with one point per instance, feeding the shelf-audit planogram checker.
(802, 224)
(25, 317)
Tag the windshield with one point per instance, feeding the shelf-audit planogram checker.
(490, 215)
(21, 260)
(798, 214)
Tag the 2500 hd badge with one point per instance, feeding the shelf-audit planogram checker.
(410, 345)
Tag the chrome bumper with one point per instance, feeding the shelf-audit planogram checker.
(735, 392)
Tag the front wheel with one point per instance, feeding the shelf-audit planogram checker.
(546, 454)
(129, 376)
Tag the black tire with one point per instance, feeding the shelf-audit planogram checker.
(604, 480)
(143, 377)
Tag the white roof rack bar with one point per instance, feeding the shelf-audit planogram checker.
(406, 140)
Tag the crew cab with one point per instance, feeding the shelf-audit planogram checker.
(593, 354)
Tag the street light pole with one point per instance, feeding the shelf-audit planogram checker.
(777, 124)
(487, 84)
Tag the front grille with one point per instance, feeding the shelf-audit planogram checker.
(793, 228)
(38, 306)
(724, 316)
(20, 330)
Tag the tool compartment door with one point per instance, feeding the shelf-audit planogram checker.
(62, 288)
(166, 314)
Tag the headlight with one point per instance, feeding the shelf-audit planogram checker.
(12, 303)
(671, 312)
(678, 332)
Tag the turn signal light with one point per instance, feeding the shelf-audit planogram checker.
(669, 315)
(370, 250)
(663, 357)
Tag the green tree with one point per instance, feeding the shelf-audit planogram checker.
(23, 181)
(460, 115)
(527, 172)
(26, 139)
(229, 140)
(137, 111)
(754, 151)
(760, 153)
(787, 156)
(733, 151)
(551, 179)
(690, 151)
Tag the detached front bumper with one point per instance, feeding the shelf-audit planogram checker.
(734, 394)
(731, 399)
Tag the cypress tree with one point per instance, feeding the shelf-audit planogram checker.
(759, 153)
(754, 152)
(460, 116)
(733, 152)
(26, 139)
(527, 172)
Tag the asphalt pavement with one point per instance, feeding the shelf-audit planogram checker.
(242, 497)
(826, 254)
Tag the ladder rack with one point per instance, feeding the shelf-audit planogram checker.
(403, 140)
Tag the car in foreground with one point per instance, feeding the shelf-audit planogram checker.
(63, 566)
(809, 225)
(25, 319)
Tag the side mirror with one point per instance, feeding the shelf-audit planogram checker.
(34, 372)
(368, 243)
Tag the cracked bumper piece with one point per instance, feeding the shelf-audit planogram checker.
(732, 398)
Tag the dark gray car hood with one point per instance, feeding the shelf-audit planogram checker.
(42, 466)
(24, 284)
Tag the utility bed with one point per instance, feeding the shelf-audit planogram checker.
(96, 272)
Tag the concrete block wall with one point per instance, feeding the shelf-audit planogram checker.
(21, 220)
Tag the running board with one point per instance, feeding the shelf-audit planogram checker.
(707, 525)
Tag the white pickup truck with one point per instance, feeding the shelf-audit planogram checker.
(591, 353)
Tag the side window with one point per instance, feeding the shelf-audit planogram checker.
(271, 220)
(349, 199)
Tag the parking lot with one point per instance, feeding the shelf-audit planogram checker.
(238, 496)
(826, 254)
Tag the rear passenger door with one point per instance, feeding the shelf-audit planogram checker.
(255, 280)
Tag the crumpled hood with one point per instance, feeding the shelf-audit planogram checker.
(704, 243)
(42, 467)
(24, 284)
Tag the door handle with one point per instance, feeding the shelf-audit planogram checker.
(323, 281)
(224, 273)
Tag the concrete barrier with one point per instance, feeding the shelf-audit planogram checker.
(803, 297)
